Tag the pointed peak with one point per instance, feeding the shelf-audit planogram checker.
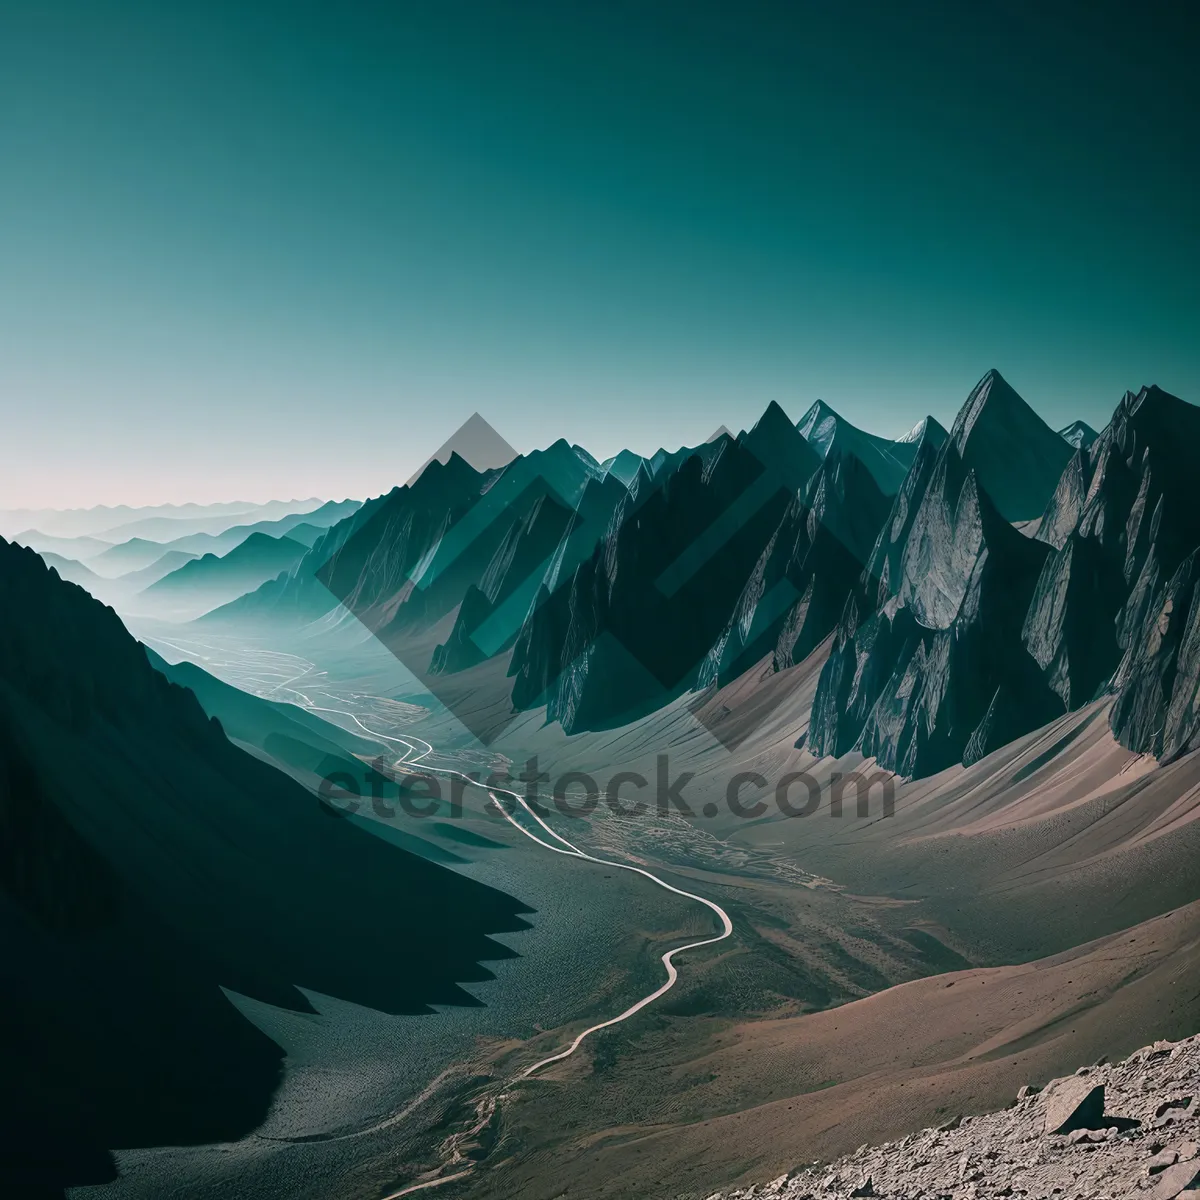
(1079, 434)
(720, 432)
(773, 418)
(623, 466)
(642, 481)
(444, 471)
(558, 450)
(927, 429)
(993, 395)
(819, 413)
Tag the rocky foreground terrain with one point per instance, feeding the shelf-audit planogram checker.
(1105, 1133)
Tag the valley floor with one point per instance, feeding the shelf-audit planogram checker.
(826, 1021)
(814, 1087)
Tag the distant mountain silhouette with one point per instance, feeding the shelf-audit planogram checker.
(133, 555)
(170, 560)
(204, 583)
(140, 552)
(73, 571)
(1079, 434)
(169, 527)
(147, 864)
(78, 522)
(80, 549)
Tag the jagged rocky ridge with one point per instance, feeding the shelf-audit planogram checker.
(886, 461)
(633, 624)
(798, 585)
(1011, 574)
(963, 634)
(927, 666)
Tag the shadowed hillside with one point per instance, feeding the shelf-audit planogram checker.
(147, 864)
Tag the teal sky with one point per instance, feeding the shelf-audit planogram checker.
(276, 249)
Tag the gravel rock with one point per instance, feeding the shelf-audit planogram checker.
(1182, 1178)
(1074, 1104)
(1128, 1129)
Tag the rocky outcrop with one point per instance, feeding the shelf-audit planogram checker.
(928, 666)
(543, 544)
(883, 567)
(1106, 1133)
(798, 587)
(886, 461)
(1069, 628)
(1153, 440)
(634, 624)
(1113, 607)
(959, 637)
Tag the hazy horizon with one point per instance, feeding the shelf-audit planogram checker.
(204, 494)
(420, 456)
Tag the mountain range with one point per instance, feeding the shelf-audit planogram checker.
(207, 582)
(110, 523)
(973, 582)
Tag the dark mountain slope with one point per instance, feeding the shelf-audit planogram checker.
(133, 555)
(160, 568)
(633, 624)
(289, 734)
(145, 864)
(366, 559)
(798, 587)
(540, 548)
(1016, 456)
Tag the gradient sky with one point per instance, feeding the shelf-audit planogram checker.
(274, 249)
